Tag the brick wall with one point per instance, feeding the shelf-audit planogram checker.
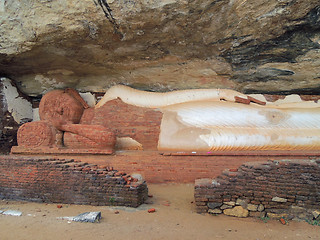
(141, 124)
(286, 188)
(67, 181)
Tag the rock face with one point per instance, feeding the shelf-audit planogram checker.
(249, 46)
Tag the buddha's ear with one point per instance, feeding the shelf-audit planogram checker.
(74, 93)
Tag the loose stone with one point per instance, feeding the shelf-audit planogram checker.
(88, 217)
(12, 213)
(151, 210)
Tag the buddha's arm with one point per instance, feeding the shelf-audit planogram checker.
(95, 133)
(158, 100)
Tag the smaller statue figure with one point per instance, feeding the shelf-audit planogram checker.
(59, 126)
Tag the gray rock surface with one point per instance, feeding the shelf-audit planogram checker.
(213, 205)
(88, 217)
(91, 217)
(250, 46)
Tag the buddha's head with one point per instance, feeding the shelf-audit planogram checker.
(65, 106)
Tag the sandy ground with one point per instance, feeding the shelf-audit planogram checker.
(175, 218)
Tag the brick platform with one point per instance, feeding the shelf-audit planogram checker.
(67, 181)
(158, 168)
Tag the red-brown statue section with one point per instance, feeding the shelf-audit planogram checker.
(69, 125)
(139, 123)
(60, 113)
(37, 134)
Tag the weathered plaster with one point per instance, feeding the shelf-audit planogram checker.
(19, 107)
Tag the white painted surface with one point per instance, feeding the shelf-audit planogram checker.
(36, 116)
(199, 120)
(233, 126)
(88, 98)
(158, 100)
(19, 107)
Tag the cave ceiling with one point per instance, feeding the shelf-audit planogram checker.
(253, 46)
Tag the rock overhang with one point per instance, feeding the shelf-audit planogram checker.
(247, 46)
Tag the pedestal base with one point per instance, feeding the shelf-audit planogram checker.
(59, 151)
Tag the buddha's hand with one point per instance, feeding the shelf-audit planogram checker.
(230, 95)
(59, 124)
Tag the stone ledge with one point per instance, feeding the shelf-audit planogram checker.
(59, 151)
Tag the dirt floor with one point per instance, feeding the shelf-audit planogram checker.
(175, 218)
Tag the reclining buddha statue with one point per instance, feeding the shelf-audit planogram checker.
(191, 120)
(226, 120)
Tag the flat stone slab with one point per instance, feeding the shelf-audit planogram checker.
(91, 217)
(12, 213)
(279, 199)
(88, 217)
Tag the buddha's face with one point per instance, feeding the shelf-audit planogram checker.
(60, 106)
